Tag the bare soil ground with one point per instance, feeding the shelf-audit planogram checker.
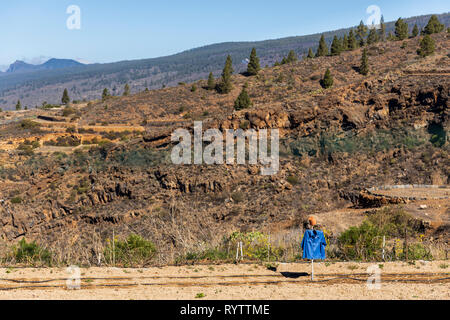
(416, 192)
(343, 280)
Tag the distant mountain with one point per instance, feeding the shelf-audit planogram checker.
(23, 67)
(60, 64)
(87, 81)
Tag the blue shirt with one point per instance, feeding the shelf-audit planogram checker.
(313, 245)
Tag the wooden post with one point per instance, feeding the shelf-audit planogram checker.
(237, 252)
(242, 254)
(406, 244)
(114, 251)
(312, 270)
(384, 244)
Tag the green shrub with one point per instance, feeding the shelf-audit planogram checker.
(214, 254)
(68, 111)
(29, 124)
(417, 251)
(327, 81)
(243, 101)
(71, 129)
(255, 245)
(65, 141)
(16, 200)
(427, 46)
(365, 242)
(83, 186)
(25, 149)
(292, 180)
(237, 196)
(132, 251)
(244, 125)
(31, 253)
(361, 243)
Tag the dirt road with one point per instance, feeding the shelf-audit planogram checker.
(399, 280)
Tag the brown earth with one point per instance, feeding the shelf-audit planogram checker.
(335, 281)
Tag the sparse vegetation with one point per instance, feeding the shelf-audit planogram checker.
(225, 85)
(253, 66)
(243, 100)
(401, 29)
(133, 251)
(365, 242)
(126, 90)
(65, 97)
(211, 81)
(364, 67)
(327, 81)
(433, 26)
(322, 50)
(427, 46)
(31, 253)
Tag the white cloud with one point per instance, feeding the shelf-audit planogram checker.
(36, 60)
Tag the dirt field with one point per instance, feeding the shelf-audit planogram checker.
(430, 193)
(399, 280)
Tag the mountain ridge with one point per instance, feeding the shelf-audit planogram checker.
(53, 63)
(85, 82)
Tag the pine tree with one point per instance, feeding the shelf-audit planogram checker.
(341, 43)
(253, 66)
(345, 43)
(126, 90)
(225, 85)
(401, 29)
(292, 57)
(390, 36)
(415, 31)
(361, 32)
(105, 94)
(372, 37)
(65, 97)
(18, 105)
(352, 44)
(327, 81)
(211, 81)
(335, 47)
(310, 54)
(434, 25)
(427, 46)
(364, 67)
(322, 50)
(243, 100)
(382, 29)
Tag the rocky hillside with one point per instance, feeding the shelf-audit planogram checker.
(389, 127)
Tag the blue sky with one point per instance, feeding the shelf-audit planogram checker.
(124, 30)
